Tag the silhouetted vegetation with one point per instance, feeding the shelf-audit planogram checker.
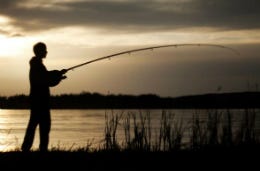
(216, 131)
(87, 100)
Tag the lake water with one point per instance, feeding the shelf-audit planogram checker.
(72, 129)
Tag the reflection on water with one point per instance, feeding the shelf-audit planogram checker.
(77, 128)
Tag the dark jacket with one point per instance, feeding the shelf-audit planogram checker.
(40, 82)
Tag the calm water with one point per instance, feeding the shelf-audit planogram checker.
(77, 128)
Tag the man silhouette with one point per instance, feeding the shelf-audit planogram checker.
(40, 82)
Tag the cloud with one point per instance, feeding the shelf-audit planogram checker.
(134, 15)
(10, 33)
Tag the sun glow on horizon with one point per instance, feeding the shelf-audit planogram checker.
(4, 19)
(13, 46)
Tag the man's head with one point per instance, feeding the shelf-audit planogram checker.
(40, 50)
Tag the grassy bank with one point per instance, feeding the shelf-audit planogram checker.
(213, 158)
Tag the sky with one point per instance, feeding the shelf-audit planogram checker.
(76, 31)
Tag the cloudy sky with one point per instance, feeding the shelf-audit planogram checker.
(77, 31)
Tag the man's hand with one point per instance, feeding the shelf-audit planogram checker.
(63, 71)
(55, 77)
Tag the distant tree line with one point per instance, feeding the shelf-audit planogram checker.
(88, 100)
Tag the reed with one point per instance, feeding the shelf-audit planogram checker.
(198, 129)
(217, 130)
(171, 132)
(137, 131)
(227, 129)
(246, 134)
(111, 125)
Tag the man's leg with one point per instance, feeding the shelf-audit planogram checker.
(45, 126)
(30, 133)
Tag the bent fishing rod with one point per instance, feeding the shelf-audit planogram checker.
(150, 48)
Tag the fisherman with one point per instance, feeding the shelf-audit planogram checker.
(40, 82)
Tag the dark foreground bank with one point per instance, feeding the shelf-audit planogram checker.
(204, 159)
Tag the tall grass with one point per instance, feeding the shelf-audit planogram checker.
(246, 133)
(216, 130)
(171, 132)
(137, 132)
(111, 125)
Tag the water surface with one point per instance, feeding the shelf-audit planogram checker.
(72, 129)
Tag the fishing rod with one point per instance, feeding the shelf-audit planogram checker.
(150, 48)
